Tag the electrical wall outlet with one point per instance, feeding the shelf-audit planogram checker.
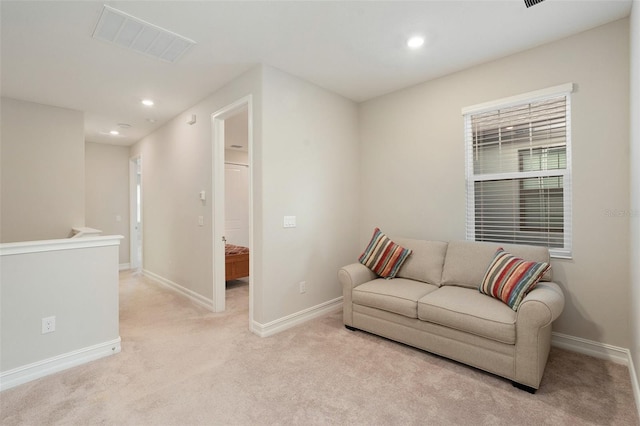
(48, 325)
(303, 287)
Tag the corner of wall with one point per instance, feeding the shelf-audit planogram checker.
(634, 216)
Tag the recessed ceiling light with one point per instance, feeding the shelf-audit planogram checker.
(151, 120)
(124, 125)
(415, 42)
(147, 102)
(114, 132)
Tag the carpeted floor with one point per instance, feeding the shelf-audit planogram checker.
(182, 365)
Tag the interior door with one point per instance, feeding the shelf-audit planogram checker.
(236, 182)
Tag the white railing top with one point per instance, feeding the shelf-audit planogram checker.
(9, 249)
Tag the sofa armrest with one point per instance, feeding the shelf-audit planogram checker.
(542, 305)
(537, 311)
(353, 275)
(350, 277)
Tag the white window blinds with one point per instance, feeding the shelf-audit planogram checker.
(518, 153)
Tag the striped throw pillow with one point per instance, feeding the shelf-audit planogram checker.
(383, 256)
(510, 278)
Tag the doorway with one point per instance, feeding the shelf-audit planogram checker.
(135, 213)
(222, 164)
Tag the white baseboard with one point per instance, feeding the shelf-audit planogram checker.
(281, 324)
(634, 383)
(192, 295)
(589, 347)
(262, 330)
(124, 266)
(36, 370)
(602, 351)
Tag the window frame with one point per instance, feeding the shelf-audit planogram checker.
(471, 178)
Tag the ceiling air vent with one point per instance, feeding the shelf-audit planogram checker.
(127, 31)
(530, 3)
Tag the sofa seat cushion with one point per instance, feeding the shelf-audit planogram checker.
(398, 295)
(469, 310)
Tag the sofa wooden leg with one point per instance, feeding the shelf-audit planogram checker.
(524, 387)
(348, 327)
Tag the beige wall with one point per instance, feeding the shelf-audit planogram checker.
(176, 165)
(107, 192)
(413, 170)
(236, 133)
(310, 170)
(36, 284)
(236, 130)
(42, 188)
(305, 163)
(234, 156)
(634, 217)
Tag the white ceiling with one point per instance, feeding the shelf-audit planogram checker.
(354, 48)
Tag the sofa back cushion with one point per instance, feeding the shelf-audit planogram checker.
(466, 262)
(426, 261)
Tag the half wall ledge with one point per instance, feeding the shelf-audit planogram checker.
(70, 282)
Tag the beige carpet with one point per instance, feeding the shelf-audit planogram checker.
(182, 365)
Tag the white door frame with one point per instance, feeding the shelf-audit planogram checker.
(217, 161)
(134, 262)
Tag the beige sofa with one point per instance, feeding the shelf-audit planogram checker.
(434, 304)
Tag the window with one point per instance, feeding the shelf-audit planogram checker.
(519, 170)
(543, 197)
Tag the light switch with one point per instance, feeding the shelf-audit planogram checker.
(289, 222)
(200, 220)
